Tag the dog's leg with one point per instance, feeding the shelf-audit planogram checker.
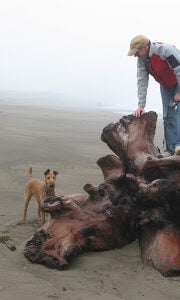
(27, 197)
(39, 209)
(41, 214)
(43, 217)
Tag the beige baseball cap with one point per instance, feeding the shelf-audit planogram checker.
(136, 43)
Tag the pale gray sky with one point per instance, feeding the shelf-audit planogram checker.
(79, 47)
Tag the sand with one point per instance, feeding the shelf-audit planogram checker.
(67, 140)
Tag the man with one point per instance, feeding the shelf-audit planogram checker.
(162, 61)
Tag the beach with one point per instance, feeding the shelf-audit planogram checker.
(66, 140)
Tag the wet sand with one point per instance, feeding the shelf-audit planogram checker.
(67, 140)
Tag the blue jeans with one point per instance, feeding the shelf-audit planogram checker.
(171, 118)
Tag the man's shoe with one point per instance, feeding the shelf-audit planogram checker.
(177, 150)
(166, 154)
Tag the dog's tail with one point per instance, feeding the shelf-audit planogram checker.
(30, 173)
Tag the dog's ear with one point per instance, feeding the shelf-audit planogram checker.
(55, 173)
(46, 172)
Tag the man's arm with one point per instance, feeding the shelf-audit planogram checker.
(142, 85)
(172, 55)
(174, 62)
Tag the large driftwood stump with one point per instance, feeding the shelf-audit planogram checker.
(139, 198)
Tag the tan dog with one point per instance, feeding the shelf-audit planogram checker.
(40, 190)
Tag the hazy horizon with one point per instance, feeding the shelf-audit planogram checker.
(59, 100)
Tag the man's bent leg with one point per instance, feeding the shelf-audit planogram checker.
(169, 117)
(177, 145)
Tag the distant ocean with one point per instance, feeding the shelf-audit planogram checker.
(53, 101)
(127, 111)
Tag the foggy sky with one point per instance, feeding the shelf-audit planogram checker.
(79, 47)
